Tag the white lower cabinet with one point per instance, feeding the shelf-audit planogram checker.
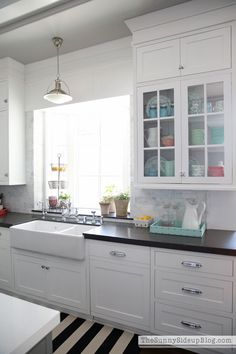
(58, 280)
(5, 260)
(192, 293)
(120, 283)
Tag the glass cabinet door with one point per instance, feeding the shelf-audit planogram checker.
(205, 106)
(158, 134)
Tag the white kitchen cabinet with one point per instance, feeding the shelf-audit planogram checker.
(12, 123)
(119, 283)
(193, 56)
(5, 259)
(4, 155)
(190, 54)
(192, 293)
(57, 280)
(185, 131)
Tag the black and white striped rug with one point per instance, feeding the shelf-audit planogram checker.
(75, 335)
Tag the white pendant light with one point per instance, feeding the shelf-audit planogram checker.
(57, 94)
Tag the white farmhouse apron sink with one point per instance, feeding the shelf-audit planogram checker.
(58, 239)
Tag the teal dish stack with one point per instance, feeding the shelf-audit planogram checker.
(197, 137)
(217, 135)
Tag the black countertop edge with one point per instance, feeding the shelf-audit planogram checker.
(158, 244)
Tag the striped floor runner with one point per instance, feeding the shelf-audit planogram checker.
(75, 335)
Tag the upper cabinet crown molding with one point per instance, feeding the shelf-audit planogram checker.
(180, 19)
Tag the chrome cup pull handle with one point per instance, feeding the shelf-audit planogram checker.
(192, 291)
(191, 264)
(191, 324)
(118, 253)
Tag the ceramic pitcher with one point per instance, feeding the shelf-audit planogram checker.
(193, 215)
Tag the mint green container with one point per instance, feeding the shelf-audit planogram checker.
(156, 228)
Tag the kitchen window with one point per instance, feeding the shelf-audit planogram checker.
(93, 139)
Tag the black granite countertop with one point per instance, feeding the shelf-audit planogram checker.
(214, 241)
(16, 218)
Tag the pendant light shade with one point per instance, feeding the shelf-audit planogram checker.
(57, 94)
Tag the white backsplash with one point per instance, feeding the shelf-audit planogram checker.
(220, 206)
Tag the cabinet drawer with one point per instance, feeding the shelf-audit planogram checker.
(194, 263)
(4, 238)
(179, 321)
(120, 252)
(197, 291)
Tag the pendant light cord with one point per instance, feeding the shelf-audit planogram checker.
(58, 71)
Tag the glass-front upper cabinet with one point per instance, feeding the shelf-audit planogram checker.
(159, 134)
(206, 130)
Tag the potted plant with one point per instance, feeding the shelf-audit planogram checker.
(104, 205)
(109, 196)
(121, 203)
(64, 199)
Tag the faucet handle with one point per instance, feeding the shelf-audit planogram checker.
(93, 212)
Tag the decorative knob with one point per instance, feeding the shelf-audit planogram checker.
(5, 174)
(6, 100)
(181, 67)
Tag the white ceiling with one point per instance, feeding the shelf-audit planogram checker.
(26, 28)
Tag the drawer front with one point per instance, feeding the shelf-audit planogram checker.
(197, 291)
(120, 252)
(194, 262)
(179, 321)
(4, 238)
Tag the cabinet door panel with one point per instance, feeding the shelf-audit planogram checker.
(29, 275)
(158, 61)
(159, 135)
(207, 51)
(4, 154)
(67, 284)
(206, 127)
(120, 292)
(5, 268)
(3, 95)
(178, 321)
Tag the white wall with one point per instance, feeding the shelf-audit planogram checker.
(97, 72)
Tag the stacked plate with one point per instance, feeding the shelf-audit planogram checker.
(197, 170)
(197, 137)
(217, 135)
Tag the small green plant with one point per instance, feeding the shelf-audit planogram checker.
(105, 199)
(108, 194)
(64, 197)
(122, 196)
